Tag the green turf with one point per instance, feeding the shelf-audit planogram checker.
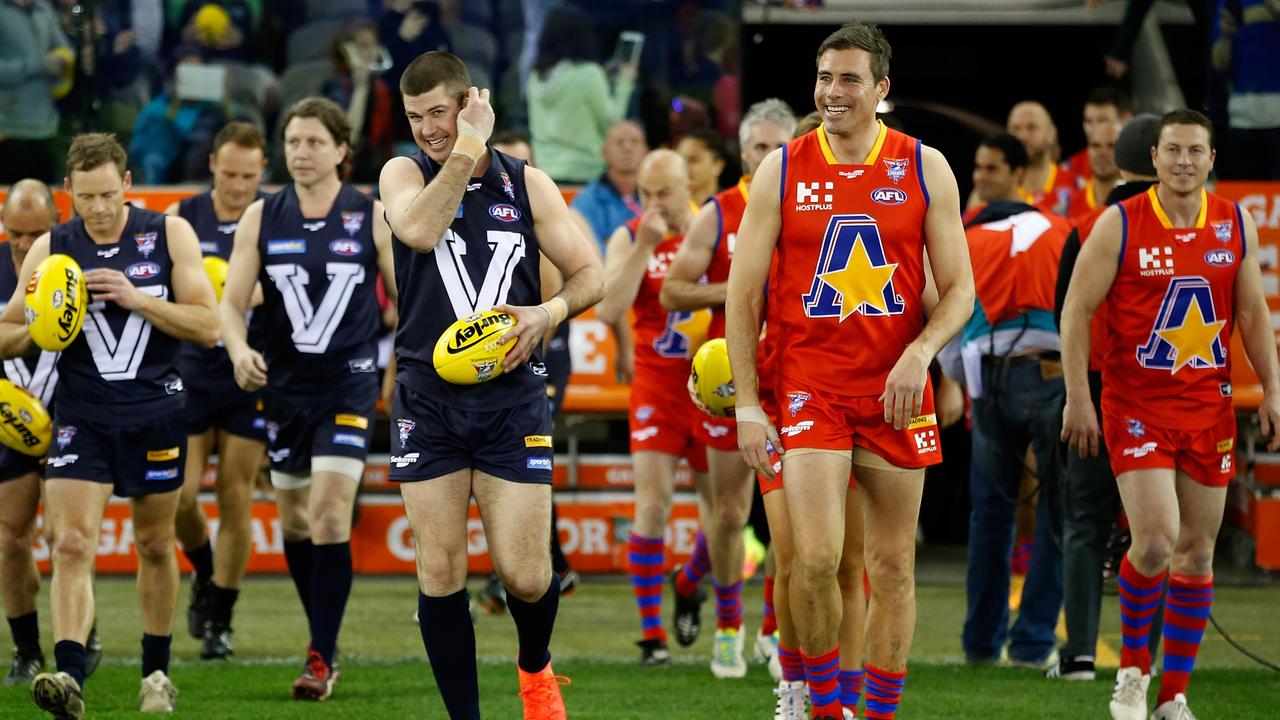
(385, 674)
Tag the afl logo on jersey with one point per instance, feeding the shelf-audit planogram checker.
(1220, 258)
(345, 248)
(504, 212)
(888, 196)
(142, 271)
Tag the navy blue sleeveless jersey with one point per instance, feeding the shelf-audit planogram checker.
(319, 317)
(488, 256)
(37, 371)
(120, 368)
(208, 368)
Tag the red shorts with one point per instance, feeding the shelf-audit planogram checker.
(767, 486)
(716, 432)
(815, 419)
(663, 419)
(1207, 455)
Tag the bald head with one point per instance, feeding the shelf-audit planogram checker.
(1030, 122)
(624, 147)
(28, 213)
(664, 184)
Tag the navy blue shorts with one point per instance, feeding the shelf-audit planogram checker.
(341, 428)
(138, 459)
(559, 365)
(431, 439)
(14, 464)
(231, 410)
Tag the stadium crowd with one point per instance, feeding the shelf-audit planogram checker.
(468, 119)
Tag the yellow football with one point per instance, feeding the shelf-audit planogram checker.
(216, 268)
(712, 378)
(468, 352)
(24, 423)
(55, 302)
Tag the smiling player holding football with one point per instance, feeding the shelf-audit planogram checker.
(316, 247)
(118, 423)
(469, 223)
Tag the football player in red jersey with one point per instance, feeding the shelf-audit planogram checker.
(1106, 106)
(1177, 267)
(1047, 184)
(850, 209)
(707, 251)
(662, 416)
(1104, 175)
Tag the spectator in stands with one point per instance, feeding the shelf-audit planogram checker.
(1246, 47)
(229, 33)
(408, 28)
(111, 86)
(471, 41)
(710, 68)
(1012, 370)
(1135, 12)
(611, 200)
(357, 58)
(705, 156)
(174, 133)
(35, 60)
(1090, 497)
(571, 104)
(1047, 185)
(1105, 105)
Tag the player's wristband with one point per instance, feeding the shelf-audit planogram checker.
(470, 144)
(752, 414)
(557, 310)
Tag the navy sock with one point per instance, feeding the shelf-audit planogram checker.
(155, 653)
(26, 633)
(299, 556)
(450, 640)
(534, 623)
(68, 655)
(330, 588)
(201, 559)
(221, 601)
(559, 563)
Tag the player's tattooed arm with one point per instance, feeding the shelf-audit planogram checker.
(1254, 318)
(15, 341)
(681, 289)
(1091, 280)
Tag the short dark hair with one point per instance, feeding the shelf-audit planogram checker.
(93, 150)
(1186, 116)
(1110, 95)
(432, 69)
(567, 34)
(510, 137)
(1015, 153)
(241, 133)
(711, 140)
(327, 112)
(861, 36)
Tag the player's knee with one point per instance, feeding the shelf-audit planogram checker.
(731, 519)
(652, 516)
(14, 538)
(892, 571)
(1152, 553)
(331, 526)
(154, 548)
(528, 583)
(822, 565)
(1197, 559)
(74, 546)
(851, 570)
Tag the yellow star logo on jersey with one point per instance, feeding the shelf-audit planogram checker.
(859, 281)
(1194, 339)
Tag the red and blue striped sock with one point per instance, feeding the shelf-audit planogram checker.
(728, 605)
(850, 689)
(884, 692)
(1139, 598)
(698, 566)
(823, 675)
(645, 557)
(1186, 611)
(768, 625)
(792, 665)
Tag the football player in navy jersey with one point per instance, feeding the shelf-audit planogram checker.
(27, 214)
(469, 224)
(220, 416)
(118, 415)
(316, 247)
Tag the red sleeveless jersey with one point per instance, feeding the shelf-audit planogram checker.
(664, 340)
(1098, 326)
(1170, 314)
(1078, 165)
(1053, 196)
(850, 262)
(1083, 202)
(729, 204)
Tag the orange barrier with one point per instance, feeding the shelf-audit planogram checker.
(1262, 201)
(593, 532)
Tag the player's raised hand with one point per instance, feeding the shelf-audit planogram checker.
(476, 117)
(904, 388)
(531, 324)
(250, 370)
(1080, 427)
(652, 229)
(755, 434)
(1269, 416)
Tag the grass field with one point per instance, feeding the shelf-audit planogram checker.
(385, 674)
